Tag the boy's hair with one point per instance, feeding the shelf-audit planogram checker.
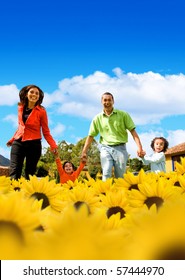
(165, 143)
(65, 162)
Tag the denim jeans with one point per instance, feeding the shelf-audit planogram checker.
(113, 156)
(29, 150)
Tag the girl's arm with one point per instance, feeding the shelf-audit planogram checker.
(79, 169)
(59, 166)
(156, 157)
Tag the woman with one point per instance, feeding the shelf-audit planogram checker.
(26, 142)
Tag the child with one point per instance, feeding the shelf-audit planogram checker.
(157, 159)
(67, 170)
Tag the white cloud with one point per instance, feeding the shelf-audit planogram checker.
(9, 95)
(12, 118)
(58, 130)
(176, 137)
(148, 97)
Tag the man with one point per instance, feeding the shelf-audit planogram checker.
(112, 125)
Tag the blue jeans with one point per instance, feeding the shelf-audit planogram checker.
(113, 156)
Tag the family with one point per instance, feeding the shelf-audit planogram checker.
(111, 124)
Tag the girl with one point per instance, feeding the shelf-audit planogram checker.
(157, 159)
(67, 170)
(26, 142)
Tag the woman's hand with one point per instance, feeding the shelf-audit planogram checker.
(9, 144)
(55, 152)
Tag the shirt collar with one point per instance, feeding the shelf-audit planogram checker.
(114, 111)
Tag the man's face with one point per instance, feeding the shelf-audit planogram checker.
(107, 102)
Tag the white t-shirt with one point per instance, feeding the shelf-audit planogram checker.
(156, 161)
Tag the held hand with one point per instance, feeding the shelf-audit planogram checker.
(8, 144)
(84, 157)
(141, 153)
(55, 152)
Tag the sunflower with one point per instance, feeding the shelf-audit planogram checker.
(173, 177)
(181, 182)
(17, 185)
(80, 236)
(18, 222)
(4, 184)
(153, 193)
(180, 167)
(89, 182)
(159, 235)
(45, 190)
(131, 181)
(114, 203)
(70, 184)
(82, 196)
(100, 187)
(73, 236)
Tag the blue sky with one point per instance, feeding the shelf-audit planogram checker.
(76, 50)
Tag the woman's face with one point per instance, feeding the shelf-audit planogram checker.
(33, 95)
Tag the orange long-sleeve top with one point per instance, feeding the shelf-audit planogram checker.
(64, 177)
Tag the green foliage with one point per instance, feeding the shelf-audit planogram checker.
(135, 165)
(42, 169)
(69, 152)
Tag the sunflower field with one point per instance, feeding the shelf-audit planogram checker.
(132, 218)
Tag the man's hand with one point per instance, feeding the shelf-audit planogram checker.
(84, 157)
(141, 153)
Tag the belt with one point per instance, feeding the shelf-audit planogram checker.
(115, 145)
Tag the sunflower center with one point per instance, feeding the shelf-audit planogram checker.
(177, 184)
(175, 252)
(154, 200)
(40, 228)
(114, 210)
(133, 187)
(12, 229)
(40, 196)
(78, 204)
(17, 189)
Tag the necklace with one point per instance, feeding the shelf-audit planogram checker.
(28, 109)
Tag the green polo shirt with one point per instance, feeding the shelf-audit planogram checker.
(112, 128)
